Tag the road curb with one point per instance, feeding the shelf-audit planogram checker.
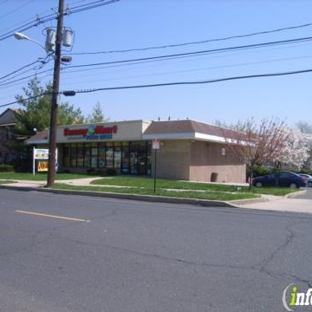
(146, 198)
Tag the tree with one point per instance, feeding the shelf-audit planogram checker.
(304, 127)
(36, 109)
(295, 151)
(97, 115)
(256, 145)
(34, 115)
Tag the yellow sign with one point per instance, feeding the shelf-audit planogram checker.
(42, 166)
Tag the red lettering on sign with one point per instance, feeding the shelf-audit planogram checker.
(68, 132)
(105, 130)
(84, 132)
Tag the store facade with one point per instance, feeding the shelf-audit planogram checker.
(189, 150)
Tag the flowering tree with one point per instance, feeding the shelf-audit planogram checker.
(256, 144)
(295, 151)
(306, 128)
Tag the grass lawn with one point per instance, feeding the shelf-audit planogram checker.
(193, 194)
(148, 183)
(145, 186)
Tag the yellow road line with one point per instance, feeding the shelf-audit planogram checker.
(51, 216)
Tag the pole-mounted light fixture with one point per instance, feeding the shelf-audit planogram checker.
(21, 36)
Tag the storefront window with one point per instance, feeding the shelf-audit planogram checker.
(94, 155)
(128, 157)
(102, 162)
(117, 155)
(66, 155)
(87, 155)
(125, 157)
(109, 155)
(80, 151)
(73, 155)
(148, 152)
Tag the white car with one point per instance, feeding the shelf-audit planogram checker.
(308, 179)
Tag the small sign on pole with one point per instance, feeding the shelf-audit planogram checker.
(156, 146)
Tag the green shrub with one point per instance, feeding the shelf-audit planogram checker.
(6, 168)
(261, 171)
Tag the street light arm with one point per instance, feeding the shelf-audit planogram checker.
(20, 36)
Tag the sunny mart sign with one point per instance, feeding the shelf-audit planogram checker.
(92, 132)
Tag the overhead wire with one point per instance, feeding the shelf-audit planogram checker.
(194, 82)
(196, 42)
(15, 10)
(83, 79)
(24, 78)
(195, 53)
(50, 17)
(167, 84)
(69, 68)
(41, 61)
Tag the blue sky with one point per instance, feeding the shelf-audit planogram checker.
(132, 24)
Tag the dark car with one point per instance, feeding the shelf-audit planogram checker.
(283, 178)
(308, 178)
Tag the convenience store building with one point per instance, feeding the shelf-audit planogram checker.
(188, 150)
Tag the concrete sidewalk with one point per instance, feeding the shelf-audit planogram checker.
(267, 202)
(276, 203)
(42, 184)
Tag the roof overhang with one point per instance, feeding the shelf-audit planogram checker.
(185, 136)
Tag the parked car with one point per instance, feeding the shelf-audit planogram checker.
(284, 178)
(308, 179)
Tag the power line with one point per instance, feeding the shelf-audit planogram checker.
(86, 7)
(197, 42)
(168, 57)
(29, 98)
(195, 53)
(41, 61)
(15, 10)
(26, 77)
(53, 16)
(166, 84)
(194, 82)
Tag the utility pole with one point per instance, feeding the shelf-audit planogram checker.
(55, 96)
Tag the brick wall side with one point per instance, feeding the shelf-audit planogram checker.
(173, 160)
(207, 158)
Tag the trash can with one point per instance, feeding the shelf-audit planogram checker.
(214, 177)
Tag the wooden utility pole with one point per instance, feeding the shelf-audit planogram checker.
(55, 96)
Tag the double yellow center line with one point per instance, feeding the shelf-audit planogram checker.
(51, 216)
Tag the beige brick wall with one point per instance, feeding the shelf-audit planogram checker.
(207, 158)
(173, 160)
(196, 161)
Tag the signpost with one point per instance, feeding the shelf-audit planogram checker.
(156, 146)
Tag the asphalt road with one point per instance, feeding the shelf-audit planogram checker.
(307, 194)
(118, 255)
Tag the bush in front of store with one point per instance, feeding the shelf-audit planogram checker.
(6, 168)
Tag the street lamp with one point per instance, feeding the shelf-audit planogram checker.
(20, 36)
